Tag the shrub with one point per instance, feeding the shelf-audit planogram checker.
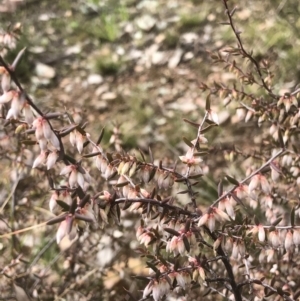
(241, 245)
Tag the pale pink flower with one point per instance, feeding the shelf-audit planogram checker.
(109, 171)
(140, 230)
(16, 106)
(274, 239)
(288, 242)
(241, 191)
(80, 179)
(146, 238)
(40, 159)
(51, 159)
(53, 199)
(211, 222)
(148, 289)
(265, 185)
(254, 183)
(66, 228)
(28, 114)
(235, 250)
(181, 246)
(228, 244)
(62, 231)
(66, 170)
(66, 197)
(249, 115)
(38, 127)
(241, 113)
(54, 141)
(73, 138)
(201, 273)
(7, 96)
(261, 233)
(156, 291)
(213, 116)
(273, 130)
(190, 159)
(226, 204)
(270, 254)
(79, 142)
(203, 220)
(181, 281)
(172, 245)
(46, 129)
(220, 215)
(43, 144)
(5, 81)
(296, 237)
(73, 178)
(164, 286)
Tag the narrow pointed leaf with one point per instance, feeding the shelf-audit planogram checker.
(100, 137)
(186, 244)
(293, 217)
(232, 180)
(194, 124)
(63, 205)
(188, 142)
(172, 231)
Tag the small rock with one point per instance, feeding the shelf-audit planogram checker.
(44, 71)
(175, 58)
(148, 5)
(102, 89)
(74, 49)
(94, 79)
(109, 96)
(189, 38)
(188, 56)
(146, 22)
(159, 58)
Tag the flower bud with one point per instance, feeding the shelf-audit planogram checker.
(288, 242)
(296, 237)
(51, 159)
(41, 159)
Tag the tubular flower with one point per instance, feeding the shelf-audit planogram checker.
(260, 181)
(190, 159)
(75, 177)
(43, 131)
(66, 228)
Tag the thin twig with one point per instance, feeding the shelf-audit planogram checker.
(248, 178)
(246, 54)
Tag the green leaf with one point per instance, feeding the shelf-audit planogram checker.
(232, 180)
(194, 124)
(63, 205)
(207, 104)
(277, 221)
(293, 217)
(153, 267)
(28, 142)
(172, 231)
(100, 136)
(207, 293)
(142, 155)
(210, 126)
(186, 243)
(280, 139)
(188, 142)
(220, 188)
